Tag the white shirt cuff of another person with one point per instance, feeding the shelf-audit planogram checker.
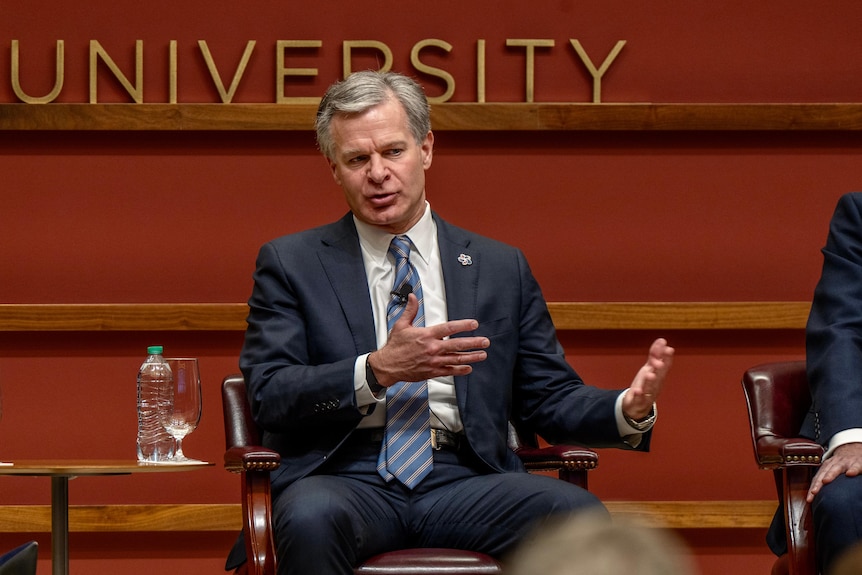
(631, 431)
(842, 437)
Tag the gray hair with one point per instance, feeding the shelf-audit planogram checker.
(361, 91)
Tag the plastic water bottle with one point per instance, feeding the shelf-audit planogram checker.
(154, 391)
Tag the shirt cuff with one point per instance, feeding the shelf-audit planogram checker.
(364, 397)
(631, 434)
(847, 436)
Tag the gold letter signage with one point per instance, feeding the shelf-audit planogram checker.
(132, 81)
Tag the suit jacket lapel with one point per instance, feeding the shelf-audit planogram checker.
(341, 258)
(461, 277)
(460, 271)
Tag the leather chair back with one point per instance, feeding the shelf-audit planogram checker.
(778, 399)
(239, 427)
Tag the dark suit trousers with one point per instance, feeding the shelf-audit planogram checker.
(837, 513)
(327, 523)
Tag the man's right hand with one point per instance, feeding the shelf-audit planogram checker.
(420, 353)
(845, 460)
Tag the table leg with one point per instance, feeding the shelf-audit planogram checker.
(60, 525)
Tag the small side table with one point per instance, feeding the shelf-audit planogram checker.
(60, 471)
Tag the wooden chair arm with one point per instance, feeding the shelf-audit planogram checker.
(254, 463)
(798, 520)
(794, 460)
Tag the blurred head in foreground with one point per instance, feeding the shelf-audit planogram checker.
(849, 562)
(595, 545)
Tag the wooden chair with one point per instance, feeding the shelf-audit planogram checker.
(253, 463)
(778, 398)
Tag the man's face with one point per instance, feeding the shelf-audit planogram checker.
(380, 167)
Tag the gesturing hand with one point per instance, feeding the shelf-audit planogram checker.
(648, 381)
(420, 353)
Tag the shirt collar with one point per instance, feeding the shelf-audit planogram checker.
(376, 241)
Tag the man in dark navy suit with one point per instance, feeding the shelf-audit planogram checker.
(834, 362)
(393, 306)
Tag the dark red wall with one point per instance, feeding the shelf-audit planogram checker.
(86, 217)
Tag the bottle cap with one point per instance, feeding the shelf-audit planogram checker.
(155, 349)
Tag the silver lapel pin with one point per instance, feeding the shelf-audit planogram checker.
(465, 260)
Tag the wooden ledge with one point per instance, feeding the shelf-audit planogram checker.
(96, 518)
(124, 317)
(227, 517)
(696, 514)
(566, 316)
(448, 116)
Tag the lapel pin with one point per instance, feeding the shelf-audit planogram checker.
(465, 260)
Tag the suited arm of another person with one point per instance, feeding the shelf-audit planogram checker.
(834, 357)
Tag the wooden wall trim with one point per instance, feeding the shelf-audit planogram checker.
(448, 116)
(96, 518)
(696, 514)
(566, 316)
(678, 315)
(227, 517)
(124, 317)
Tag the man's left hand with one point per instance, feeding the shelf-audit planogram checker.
(648, 382)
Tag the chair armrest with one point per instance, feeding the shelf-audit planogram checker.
(556, 457)
(774, 452)
(253, 463)
(571, 463)
(251, 458)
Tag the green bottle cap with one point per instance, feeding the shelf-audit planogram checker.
(155, 349)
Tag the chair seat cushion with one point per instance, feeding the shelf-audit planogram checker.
(430, 561)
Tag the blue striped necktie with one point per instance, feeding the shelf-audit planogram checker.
(406, 451)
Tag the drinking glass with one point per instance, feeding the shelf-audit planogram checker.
(185, 407)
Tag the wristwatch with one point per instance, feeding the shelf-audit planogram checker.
(642, 424)
(371, 379)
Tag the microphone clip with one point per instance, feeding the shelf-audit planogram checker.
(402, 293)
